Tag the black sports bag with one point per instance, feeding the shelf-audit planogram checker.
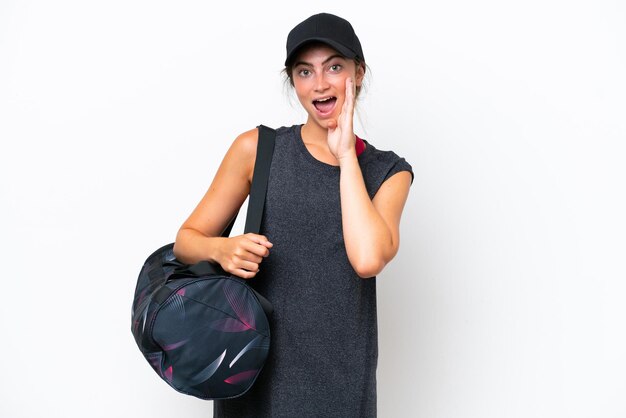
(204, 331)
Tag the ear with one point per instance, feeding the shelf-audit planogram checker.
(360, 74)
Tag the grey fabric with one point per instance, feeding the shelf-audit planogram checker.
(324, 348)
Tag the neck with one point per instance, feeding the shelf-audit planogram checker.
(313, 133)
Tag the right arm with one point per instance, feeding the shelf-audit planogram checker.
(199, 238)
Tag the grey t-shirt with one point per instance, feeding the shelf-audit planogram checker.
(324, 338)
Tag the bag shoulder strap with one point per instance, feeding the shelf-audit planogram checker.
(258, 189)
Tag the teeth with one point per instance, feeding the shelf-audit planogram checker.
(324, 100)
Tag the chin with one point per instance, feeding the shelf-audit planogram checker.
(324, 122)
(319, 121)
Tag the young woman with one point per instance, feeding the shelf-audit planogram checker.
(331, 224)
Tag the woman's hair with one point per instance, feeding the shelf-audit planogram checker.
(288, 70)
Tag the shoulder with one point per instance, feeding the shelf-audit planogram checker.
(382, 164)
(244, 148)
(382, 154)
(246, 142)
(242, 152)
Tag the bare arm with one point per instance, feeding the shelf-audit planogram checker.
(370, 227)
(199, 238)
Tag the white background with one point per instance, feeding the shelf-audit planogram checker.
(506, 298)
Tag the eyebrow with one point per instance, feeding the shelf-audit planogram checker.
(325, 61)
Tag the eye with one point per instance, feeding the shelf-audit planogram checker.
(335, 67)
(303, 72)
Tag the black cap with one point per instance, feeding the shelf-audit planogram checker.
(329, 29)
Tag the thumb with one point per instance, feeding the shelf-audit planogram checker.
(332, 124)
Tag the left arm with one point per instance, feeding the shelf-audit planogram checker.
(370, 227)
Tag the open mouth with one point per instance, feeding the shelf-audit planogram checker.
(325, 105)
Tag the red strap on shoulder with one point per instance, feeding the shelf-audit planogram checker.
(359, 146)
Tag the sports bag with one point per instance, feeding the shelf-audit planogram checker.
(204, 331)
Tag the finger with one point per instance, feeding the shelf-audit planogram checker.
(347, 109)
(350, 94)
(246, 255)
(241, 263)
(259, 239)
(256, 249)
(244, 274)
(251, 257)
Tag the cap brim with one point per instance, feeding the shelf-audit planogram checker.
(348, 53)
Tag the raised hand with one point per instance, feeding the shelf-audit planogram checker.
(341, 139)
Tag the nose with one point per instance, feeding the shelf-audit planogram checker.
(321, 83)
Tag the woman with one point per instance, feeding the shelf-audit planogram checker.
(331, 224)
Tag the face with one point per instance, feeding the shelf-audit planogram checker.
(319, 77)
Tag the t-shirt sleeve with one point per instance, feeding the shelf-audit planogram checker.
(381, 166)
(400, 165)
